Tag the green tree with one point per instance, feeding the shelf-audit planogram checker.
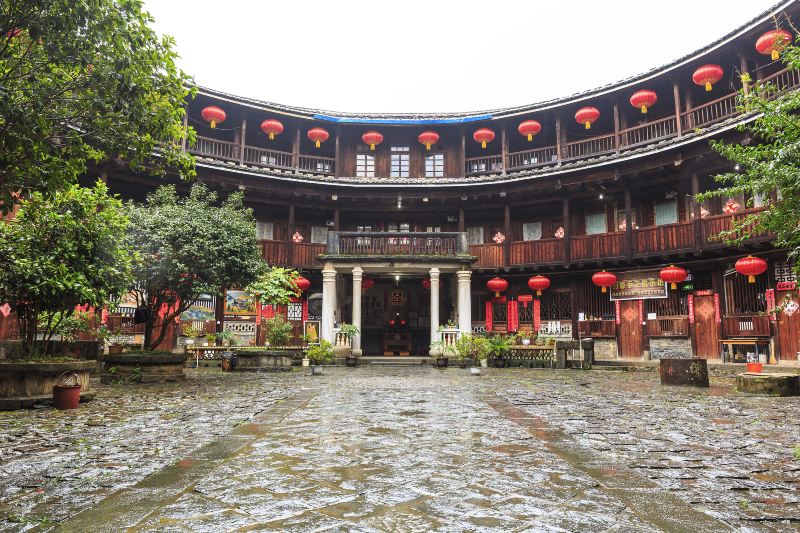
(86, 81)
(189, 246)
(275, 286)
(768, 165)
(61, 251)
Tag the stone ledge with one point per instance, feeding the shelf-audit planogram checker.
(27, 402)
(778, 384)
(144, 359)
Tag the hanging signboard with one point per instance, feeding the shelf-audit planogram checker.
(637, 285)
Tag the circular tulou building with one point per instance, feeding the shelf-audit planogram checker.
(560, 218)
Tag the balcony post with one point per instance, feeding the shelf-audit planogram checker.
(504, 148)
(289, 233)
(559, 154)
(296, 151)
(464, 303)
(628, 223)
(696, 215)
(463, 153)
(676, 93)
(336, 155)
(565, 225)
(328, 302)
(743, 69)
(336, 219)
(434, 274)
(358, 273)
(461, 220)
(241, 141)
(507, 231)
(617, 140)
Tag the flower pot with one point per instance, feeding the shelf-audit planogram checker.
(462, 364)
(526, 342)
(316, 370)
(474, 371)
(115, 349)
(66, 396)
(441, 362)
(352, 362)
(306, 362)
(500, 362)
(755, 368)
(484, 363)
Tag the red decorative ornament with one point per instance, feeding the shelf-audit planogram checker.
(773, 42)
(213, 115)
(529, 128)
(392, 322)
(302, 284)
(672, 275)
(644, 99)
(403, 322)
(751, 267)
(372, 138)
(497, 285)
(731, 206)
(367, 283)
(538, 284)
(272, 128)
(428, 138)
(426, 283)
(587, 116)
(707, 76)
(318, 135)
(604, 279)
(483, 136)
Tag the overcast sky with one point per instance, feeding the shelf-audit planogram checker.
(434, 55)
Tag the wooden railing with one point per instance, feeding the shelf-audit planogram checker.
(317, 165)
(483, 165)
(745, 326)
(275, 252)
(533, 158)
(713, 226)
(215, 149)
(542, 251)
(489, 255)
(648, 132)
(665, 238)
(396, 243)
(602, 144)
(601, 245)
(782, 81)
(305, 254)
(597, 328)
(710, 113)
(668, 326)
(267, 158)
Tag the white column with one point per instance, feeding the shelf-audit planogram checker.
(434, 273)
(358, 273)
(328, 302)
(464, 303)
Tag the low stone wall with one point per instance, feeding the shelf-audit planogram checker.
(605, 348)
(769, 384)
(253, 360)
(142, 368)
(25, 384)
(670, 348)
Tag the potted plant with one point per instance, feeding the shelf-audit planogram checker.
(472, 347)
(226, 338)
(499, 348)
(110, 336)
(442, 353)
(318, 354)
(349, 331)
(211, 339)
(278, 331)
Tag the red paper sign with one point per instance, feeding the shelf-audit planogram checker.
(525, 299)
(787, 286)
(716, 307)
(512, 316)
(617, 317)
(704, 292)
(770, 297)
(488, 316)
(537, 314)
(641, 311)
(690, 304)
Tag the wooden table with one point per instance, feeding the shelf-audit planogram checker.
(726, 346)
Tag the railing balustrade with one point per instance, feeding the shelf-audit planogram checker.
(396, 243)
(215, 149)
(533, 158)
(603, 144)
(605, 245)
(275, 252)
(542, 251)
(491, 164)
(267, 158)
(317, 165)
(745, 326)
(489, 255)
(647, 133)
(668, 326)
(664, 238)
(710, 113)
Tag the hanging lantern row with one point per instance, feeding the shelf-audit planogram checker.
(673, 275)
(529, 128)
(372, 138)
(751, 267)
(587, 116)
(773, 43)
(302, 284)
(538, 284)
(213, 115)
(644, 99)
(428, 138)
(367, 283)
(483, 136)
(604, 279)
(426, 283)
(497, 285)
(707, 75)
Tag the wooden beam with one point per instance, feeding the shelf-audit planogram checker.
(616, 128)
(566, 224)
(463, 153)
(558, 140)
(335, 219)
(296, 151)
(461, 221)
(507, 231)
(337, 156)
(289, 232)
(504, 148)
(242, 144)
(628, 222)
(676, 94)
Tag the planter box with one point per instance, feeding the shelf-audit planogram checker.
(690, 371)
(25, 384)
(143, 368)
(264, 359)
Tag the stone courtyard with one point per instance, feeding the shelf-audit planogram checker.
(405, 449)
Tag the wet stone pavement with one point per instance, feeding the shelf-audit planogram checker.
(406, 449)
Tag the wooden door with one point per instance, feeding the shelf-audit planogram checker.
(630, 329)
(788, 326)
(706, 327)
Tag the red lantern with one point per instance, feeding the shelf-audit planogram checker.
(538, 284)
(587, 116)
(214, 115)
(707, 76)
(318, 135)
(773, 42)
(672, 275)
(272, 128)
(302, 284)
(426, 283)
(604, 279)
(483, 136)
(367, 283)
(751, 267)
(497, 285)
(392, 322)
(644, 99)
(428, 138)
(372, 138)
(529, 128)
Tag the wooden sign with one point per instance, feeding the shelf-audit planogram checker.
(786, 285)
(637, 285)
(770, 297)
(716, 308)
(704, 292)
(690, 305)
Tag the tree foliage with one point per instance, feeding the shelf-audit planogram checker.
(275, 286)
(61, 251)
(769, 164)
(187, 247)
(82, 81)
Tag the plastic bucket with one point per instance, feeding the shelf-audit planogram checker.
(755, 368)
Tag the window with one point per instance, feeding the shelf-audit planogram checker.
(596, 223)
(531, 231)
(666, 212)
(433, 229)
(622, 223)
(365, 165)
(265, 231)
(319, 235)
(475, 235)
(400, 165)
(760, 200)
(434, 166)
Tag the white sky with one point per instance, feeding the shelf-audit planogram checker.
(434, 55)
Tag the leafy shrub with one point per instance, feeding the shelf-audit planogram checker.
(278, 331)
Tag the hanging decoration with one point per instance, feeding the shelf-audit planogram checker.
(707, 75)
(644, 99)
(426, 283)
(372, 138)
(751, 267)
(483, 136)
(559, 234)
(318, 135)
(213, 115)
(773, 43)
(367, 283)
(272, 128)
(604, 279)
(499, 238)
(539, 283)
(297, 237)
(587, 116)
(428, 138)
(497, 285)
(302, 284)
(673, 275)
(398, 298)
(731, 206)
(529, 128)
